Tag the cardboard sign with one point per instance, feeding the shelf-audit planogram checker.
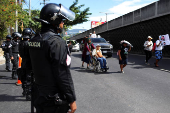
(165, 39)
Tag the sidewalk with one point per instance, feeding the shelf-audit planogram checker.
(134, 59)
(2, 60)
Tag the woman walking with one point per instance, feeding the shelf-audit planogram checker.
(158, 52)
(86, 56)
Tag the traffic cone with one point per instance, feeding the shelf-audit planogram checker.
(18, 83)
(19, 64)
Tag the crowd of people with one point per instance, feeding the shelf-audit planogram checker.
(149, 48)
(89, 51)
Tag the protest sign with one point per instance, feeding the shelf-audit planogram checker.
(165, 39)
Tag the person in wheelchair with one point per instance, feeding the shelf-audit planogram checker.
(98, 54)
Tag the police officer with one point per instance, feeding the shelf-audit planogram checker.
(6, 47)
(15, 52)
(25, 73)
(48, 51)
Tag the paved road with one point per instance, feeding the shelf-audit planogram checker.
(141, 89)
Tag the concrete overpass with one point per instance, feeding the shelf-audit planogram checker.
(152, 20)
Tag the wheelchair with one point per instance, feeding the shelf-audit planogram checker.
(95, 65)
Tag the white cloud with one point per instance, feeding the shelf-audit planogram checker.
(126, 7)
(119, 10)
(86, 25)
(103, 18)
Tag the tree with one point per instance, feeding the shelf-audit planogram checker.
(81, 16)
(7, 15)
(27, 20)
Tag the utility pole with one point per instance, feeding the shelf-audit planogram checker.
(106, 17)
(29, 8)
(44, 2)
(16, 22)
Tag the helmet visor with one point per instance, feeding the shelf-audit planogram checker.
(67, 13)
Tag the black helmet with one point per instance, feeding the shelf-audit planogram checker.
(8, 37)
(28, 33)
(16, 34)
(54, 13)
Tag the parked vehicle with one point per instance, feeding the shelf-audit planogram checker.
(106, 47)
(75, 45)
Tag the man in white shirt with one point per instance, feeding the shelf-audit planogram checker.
(158, 52)
(94, 35)
(148, 49)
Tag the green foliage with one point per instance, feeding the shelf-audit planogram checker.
(7, 15)
(81, 16)
(27, 20)
(66, 37)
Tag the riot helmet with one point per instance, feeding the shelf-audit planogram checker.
(54, 14)
(8, 37)
(28, 33)
(16, 35)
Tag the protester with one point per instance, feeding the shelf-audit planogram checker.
(123, 55)
(98, 54)
(158, 52)
(82, 48)
(94, 35)
(88, 47)
(148, 49)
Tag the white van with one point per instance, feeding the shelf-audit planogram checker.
(75, 45)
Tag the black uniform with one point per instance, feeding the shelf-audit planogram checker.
(48, 53)
(25, 74)
(15, 52)
(7, 48)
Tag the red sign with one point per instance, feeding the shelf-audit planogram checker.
(96, 23)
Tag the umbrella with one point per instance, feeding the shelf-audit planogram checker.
(124, 41)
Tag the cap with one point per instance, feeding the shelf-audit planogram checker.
(150, 37)
(98, 45)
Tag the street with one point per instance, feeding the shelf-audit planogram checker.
(141, 89)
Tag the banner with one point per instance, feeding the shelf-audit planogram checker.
(96, 23)
(165, 39)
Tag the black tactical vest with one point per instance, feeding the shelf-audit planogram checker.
(15, 46)
(40, 58)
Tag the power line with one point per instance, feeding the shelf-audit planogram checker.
(44, 2)
(35, 5)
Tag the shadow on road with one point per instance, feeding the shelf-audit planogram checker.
(85, 71)
(4, 71)
(5, 97)
(105, 73)
(138, 62)
(5, 77)
(7, 83)
(73, 68)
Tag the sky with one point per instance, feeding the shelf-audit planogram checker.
(116, 8)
